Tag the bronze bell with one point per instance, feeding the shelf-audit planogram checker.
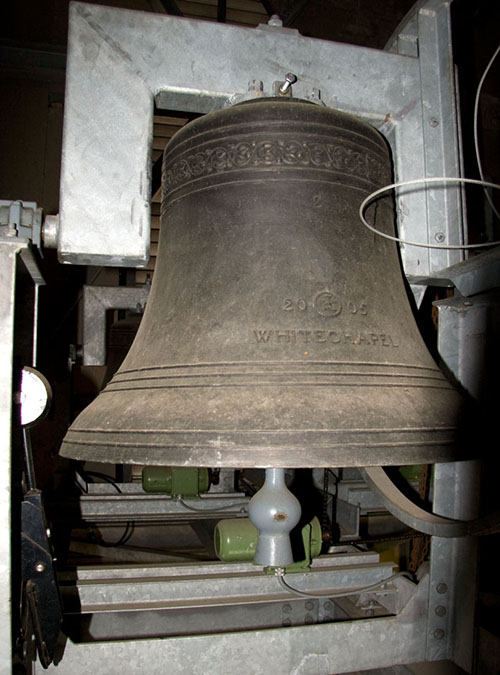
(278, 332)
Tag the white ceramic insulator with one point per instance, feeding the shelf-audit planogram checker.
(274, 511)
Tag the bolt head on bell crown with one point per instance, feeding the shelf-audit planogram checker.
(278, 331)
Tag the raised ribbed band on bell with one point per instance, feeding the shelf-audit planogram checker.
(281, 374)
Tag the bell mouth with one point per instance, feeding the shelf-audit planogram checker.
(288, 425)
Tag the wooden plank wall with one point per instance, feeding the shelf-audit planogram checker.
(164, 128)
(241, 12)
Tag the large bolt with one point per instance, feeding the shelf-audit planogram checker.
(439, 633)
(40, 567)
(50, 231)
(290, 79)
(440, 610)
(441, 588)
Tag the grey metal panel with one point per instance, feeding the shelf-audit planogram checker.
(219, 585)
(8, 259)
(470, 277)
(345, 556)
(348, 557)
(453, 567)
(109, 508)
(11, 252)
(227, 606)
(440, 131)
(433, 216)
(118, 61)
(319, 649)
(464, 339)
(225, 618)
(96, 301)
(104, 206)
(359, 494)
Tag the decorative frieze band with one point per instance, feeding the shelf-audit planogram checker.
(269, 153)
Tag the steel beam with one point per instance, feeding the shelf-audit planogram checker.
(97, 300)
(321, 649)
(138, 506)
(172, 586)
(452, 589)
(8, 261)
(11, 253)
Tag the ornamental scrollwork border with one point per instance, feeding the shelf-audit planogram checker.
(268, 153)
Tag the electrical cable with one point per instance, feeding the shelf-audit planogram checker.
(476, 139)
(129, 531)
(423, 181)
(444, 179)
(246, 483)
(130, 525)
(102, 476)
(280, 574)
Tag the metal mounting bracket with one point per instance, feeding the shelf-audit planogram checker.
(120, 63)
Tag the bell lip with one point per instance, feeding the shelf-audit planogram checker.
(410, 451)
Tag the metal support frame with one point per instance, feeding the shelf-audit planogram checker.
(8, 255)
(320, 648)
(452, 591)
(468, 332)
(294, 651)
(11, 251)
(21, 219)
(97, 300)
(103, 504)
(215, 584)
(473, 276)
(121, 62)
(464, 344)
